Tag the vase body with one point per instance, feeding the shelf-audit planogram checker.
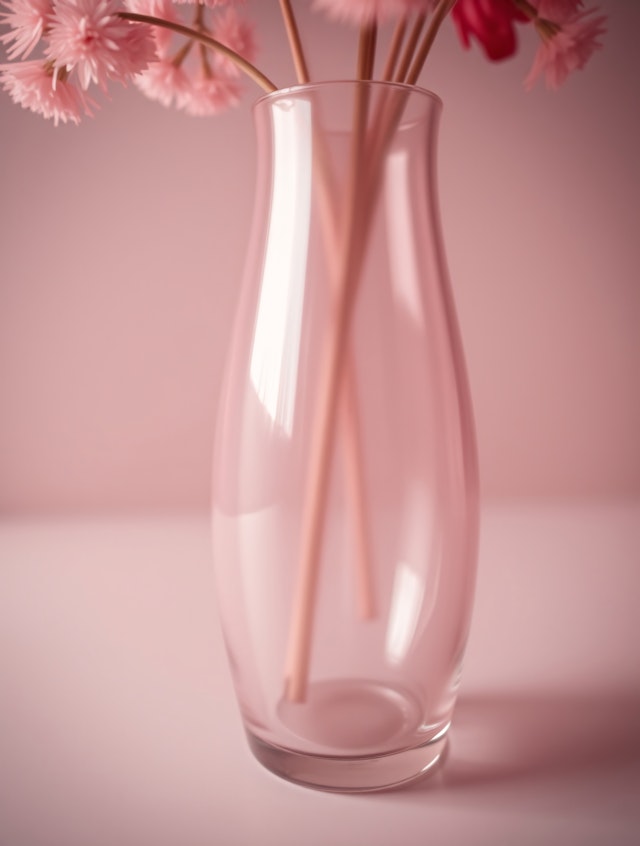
(345, 496)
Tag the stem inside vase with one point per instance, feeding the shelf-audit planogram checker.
(364, 175)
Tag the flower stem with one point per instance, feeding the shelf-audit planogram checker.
(394, 49)
(349, 259)
(545, 28)
(250, 70)
(526, 8)
(367, 50)
(410, 48)
(295, 43)
(182, 54)
(440, 13)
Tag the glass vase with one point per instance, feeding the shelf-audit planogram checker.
(345, 496)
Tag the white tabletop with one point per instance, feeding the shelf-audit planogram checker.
(118, 725)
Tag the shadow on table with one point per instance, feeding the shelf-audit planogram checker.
(499, 738)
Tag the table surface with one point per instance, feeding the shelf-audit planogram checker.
(118, 725)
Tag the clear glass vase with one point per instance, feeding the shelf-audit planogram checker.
(345, 499)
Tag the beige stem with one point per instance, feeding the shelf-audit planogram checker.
(349, 409)
(294, 41)
(246, 67)
(440, 13)
(410, 46)
(394, 49)
(323, 436)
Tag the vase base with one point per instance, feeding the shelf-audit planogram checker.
(356, 774)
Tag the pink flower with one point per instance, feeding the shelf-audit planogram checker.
(160, 9)
(364, 11)
(208, 95)
(27, 19)
(33, 86)
(237, 33)
(162, 81)
(87, 37)
(491, 23)
(568, 49)
(194, 79)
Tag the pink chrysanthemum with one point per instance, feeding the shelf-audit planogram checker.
(237, 33)
(193, 78)
(27, 20)
(567, 50)
(33, 86)
(87, 37)
(163, 81)
(365, 11)
(208, 95)
(164, 9)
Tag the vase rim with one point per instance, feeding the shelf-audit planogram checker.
(302, 87)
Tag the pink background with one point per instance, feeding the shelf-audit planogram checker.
(122, 243)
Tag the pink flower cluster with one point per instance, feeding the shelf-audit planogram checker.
(86, 42)
(89, 42)
(83, 42)
(569, 34)
(567, 44)
(186, 74)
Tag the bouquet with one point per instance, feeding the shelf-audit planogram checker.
(191, 54)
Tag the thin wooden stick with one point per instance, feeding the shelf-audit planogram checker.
(367, 50)
(305, 599)
(361, 528)
(304, 605)
(394, 49)
(350, 416)
(387, 117)
(295, 43)
(349, 408)
(440, 13)
(410, 47)
(246, 67)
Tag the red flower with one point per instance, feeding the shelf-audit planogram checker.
(491, 23)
